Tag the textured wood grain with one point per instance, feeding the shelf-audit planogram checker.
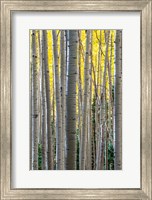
(144, 6)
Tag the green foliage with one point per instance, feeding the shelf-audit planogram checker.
(40, 156)
(110, 156)
(113, 88)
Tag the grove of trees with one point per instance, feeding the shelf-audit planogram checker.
(75, 99)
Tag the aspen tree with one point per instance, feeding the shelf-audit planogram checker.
(110, 93)
(71, 102)
(31, 92)
(35, 119)
(39, 85)
(89, 131)
(63, 90)
(97, 136)
(118, 101)
(59, 157)
(79, 93)
(106, 130)
(98, 106)
(48, 103)
(80, 89)
(103, 105)
(86, 87)
(104, 108)
(43, 106)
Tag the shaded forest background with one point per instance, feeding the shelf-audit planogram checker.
(76, 99)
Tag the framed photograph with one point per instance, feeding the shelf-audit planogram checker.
(76, 99)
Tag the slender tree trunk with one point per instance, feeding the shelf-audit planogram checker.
(43, 108)
(31, 87)
(35, 119)
(59, 157)
(106, 131)
(99, 82)
(118, 102)
(79, 94)
(86, 84)
(110, 115)
(103, 104)
(67, 71)
(53, 123)
(80, 55)
(48, 103)
(39, 85)
(97, 138)
(63, 91)
(99, 135)
(93, 151)
(89, 151)
(110, 102)
(71, 102)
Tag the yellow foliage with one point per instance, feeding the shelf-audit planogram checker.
(97, 58)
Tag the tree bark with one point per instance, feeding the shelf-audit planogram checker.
(71, 102)
(103, 107)
(118, 101)
(80, 97)
(43, 108)
(31, 87)
(85, 106)
(110, 104)
(48, 103)
(79, 94)
(59, 157)
(35, 119)
(89, 131)
(63, 90)
(39, 85)
(98, 103)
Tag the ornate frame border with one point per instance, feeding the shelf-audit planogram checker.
(145, 9)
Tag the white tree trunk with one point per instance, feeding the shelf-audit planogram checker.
(63, 90)
(89, 131)
(59, 157)
(35, 119)
(110, 114)
(71, 102)
(48, 104)
(85, 106)
(79, 93)
(43, 107)
(103, 107)
(118, 102)
(80, 97)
